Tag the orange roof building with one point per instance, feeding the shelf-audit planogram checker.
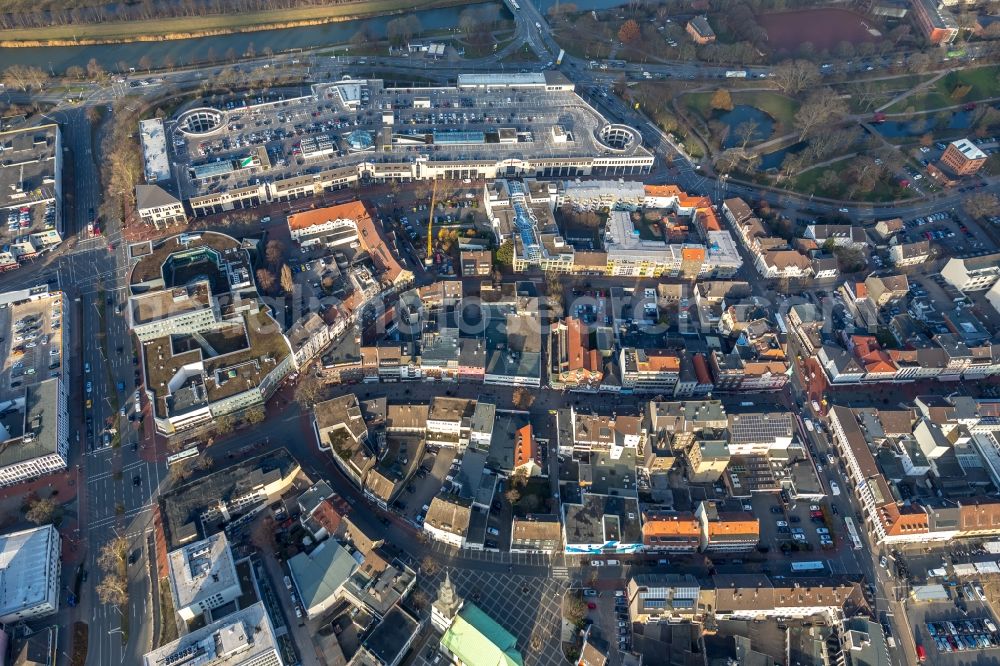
(671, 532)
(575, 361)
(526, 451)
(727, 531)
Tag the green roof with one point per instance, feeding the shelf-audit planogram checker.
(321, 573)
(477, 640)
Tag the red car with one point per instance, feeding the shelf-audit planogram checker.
(591, 605)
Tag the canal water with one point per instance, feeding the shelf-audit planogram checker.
(202, 49)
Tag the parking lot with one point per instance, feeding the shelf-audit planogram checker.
(427, 483)
(950, 634)
(33, 342)
(796, 526)
(247, 142)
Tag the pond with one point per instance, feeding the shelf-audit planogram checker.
(743, 113)
(200, 49)
(775, 159)
(823, 28)
(924, 124)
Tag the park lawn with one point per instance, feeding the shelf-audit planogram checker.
(779, 107)
(886, 88)
(982, 79)
(180, 28)
(808, 183)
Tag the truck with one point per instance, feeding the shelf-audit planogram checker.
(736, 74)
(559, 58)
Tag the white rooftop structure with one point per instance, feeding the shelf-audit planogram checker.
(501, 80)
(154, 150)
(29, 574)
(969, 149)
(243, 638)
(202, 576)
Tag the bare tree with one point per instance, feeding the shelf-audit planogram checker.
(24, 77)
(265, 280)
(42, 511)
(113, 589)
(274, 253)
(794, 76)
(94, 69)
(287, 282)
(822, 108)
(255, 415)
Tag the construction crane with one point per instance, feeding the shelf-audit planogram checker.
(429, 259)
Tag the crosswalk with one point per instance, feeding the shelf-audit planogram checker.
(560, 572)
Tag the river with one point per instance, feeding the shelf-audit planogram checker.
(201, 49)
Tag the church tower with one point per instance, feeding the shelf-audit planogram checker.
(446, 606)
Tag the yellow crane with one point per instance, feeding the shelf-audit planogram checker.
(429, 259)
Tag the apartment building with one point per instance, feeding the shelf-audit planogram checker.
(448, 519)
(909, 254)
(35, 431)
(662, 597)
(668, 532)
(649, 370)
(726, 532)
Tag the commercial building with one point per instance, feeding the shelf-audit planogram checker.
(30, 568)
(559, 135)
(158, 207)
(389, 641)
(963, 158)
(972, 273)
(448, 519)
(726, 532)
(30, 192)
(602, 524)
(670, 532)
(649, 370)
(936, 23)
(536, 534)
(662, 598)
(34, 432)
(243, 638)
(203, 576)
(209, 345)
(577, 360)
(319, 576)
(754, 596)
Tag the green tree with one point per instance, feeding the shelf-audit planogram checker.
(505, 254)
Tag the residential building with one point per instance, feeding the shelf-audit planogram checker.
(390, 641)
(909, 254)
(242, 638)
(838, 235)
(309, 336)
(476, 263)
(341, 429)
(379, 583)
(726, 532)
(602, 524)
(972, 273)
(536, 533)
(783, 264)
(158, 207)
(755, 596)
(662, 597)
(664, 532)
(449, 421)
(963, 158)
(700, 31)
(886, 229)
(884, 289)
(448, 519)
(30, 567)
(707, 461)
(935, 21)
(319, 576)
(649, 370)
(203, 576)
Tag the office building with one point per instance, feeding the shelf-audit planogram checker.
(203, 576)
(243, 638)
(30, 567)
(963, 158)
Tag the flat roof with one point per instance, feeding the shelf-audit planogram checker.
(28, 169)
(25, 577)
(969, 149)
(34, 319)
(201, 569)
(154, 150)
(242, 637)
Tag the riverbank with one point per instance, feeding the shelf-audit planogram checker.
(207, 26)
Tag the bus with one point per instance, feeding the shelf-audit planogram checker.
(817, 565)
(852, 532)
(181, 455)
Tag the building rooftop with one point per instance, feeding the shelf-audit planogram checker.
(320, 574)
(969, 149)
(28, 169)
(449, 514)
(201, 569)
(242, 638)
(600, 520)
(477, 640)
(24, 572)
(388, 640)
(154, 150)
